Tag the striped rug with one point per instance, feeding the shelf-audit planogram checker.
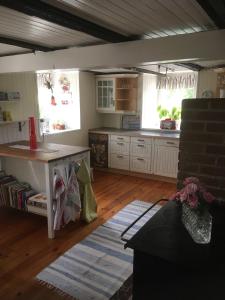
(97, 267)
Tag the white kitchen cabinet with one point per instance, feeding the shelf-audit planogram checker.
(165, 156)
(140, 164)
(149, 155)
(117, 94)
(119, 161)
(120, 147)
(105, 94)
(142, 150)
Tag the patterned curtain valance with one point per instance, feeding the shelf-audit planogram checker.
(177, 81)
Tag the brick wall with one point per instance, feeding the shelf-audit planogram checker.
(202, 143)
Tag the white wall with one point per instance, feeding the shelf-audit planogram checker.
(207, 81)
(25, 83)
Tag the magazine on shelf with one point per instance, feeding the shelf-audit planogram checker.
(39, 198)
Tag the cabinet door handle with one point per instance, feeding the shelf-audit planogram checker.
(170, 143)
(140, 145)
(119, 156)
(121, 144)
(142, 159)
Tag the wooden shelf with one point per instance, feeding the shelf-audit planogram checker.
(9, 101)
(126, 94)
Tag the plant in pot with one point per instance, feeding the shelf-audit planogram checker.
(168, 118)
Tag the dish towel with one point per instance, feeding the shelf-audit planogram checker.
(89, 209)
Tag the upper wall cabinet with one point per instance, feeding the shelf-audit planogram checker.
(105, 94)
(117, 94)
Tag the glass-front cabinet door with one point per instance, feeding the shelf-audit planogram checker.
(105, 94)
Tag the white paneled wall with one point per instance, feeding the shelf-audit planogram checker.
(25, 83)
(12, 133)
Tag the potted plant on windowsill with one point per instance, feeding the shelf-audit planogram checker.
(168, 119)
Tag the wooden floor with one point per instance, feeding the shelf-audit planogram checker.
(25, 249)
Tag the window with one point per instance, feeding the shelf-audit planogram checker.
(58, 99)
(162, 96)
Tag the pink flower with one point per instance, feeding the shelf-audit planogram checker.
(192, 201)
(208, 197)
(191, 188)
(189, 180)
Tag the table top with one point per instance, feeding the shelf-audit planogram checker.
(46, 152)
(165, 237)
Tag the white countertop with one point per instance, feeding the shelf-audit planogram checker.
(144, 133)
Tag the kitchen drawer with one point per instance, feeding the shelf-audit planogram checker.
(141, 140)
(139, 164)
(143, 150)
(167, 142)
(119, 147)
(120, 138)
(119, 161)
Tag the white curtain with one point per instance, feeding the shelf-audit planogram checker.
(149, 101)
(177, 81)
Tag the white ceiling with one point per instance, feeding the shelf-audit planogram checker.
(148, 18)
(144, 19)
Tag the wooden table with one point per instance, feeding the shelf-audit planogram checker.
(39, 170)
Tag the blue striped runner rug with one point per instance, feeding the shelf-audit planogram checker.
(97, 267)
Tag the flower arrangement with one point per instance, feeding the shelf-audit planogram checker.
(194, 194)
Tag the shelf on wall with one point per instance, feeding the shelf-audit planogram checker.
(9, 101)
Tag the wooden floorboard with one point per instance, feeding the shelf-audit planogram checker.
(25, 249)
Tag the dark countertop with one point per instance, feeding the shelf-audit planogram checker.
(170, 134)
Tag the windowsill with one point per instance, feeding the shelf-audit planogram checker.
(60, 131)
(161, 130)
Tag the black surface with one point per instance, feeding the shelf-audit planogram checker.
(168, 264)
(215, 9)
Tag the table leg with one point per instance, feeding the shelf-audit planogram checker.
(49, 193)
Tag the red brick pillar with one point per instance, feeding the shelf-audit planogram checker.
(202, 143)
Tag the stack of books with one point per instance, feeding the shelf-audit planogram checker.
(37, 204)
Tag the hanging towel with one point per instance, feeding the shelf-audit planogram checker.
(73, 204)
(89, 205)
(59, 191)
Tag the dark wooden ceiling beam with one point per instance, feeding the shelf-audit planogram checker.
(190, 66)
(55, 15)
(215, 9)
(23, 44)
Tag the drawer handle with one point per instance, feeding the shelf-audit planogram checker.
(139, 145)
(121, 144)
(119, 156)
(170, 143)
(142, 159)
(139, 140)
(120, 138)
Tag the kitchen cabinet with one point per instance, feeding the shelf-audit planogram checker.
(149, 155)
(105, 94)
(119, 153)
(140, 155)
(117, 94)
(166, 157)
(126, 94)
